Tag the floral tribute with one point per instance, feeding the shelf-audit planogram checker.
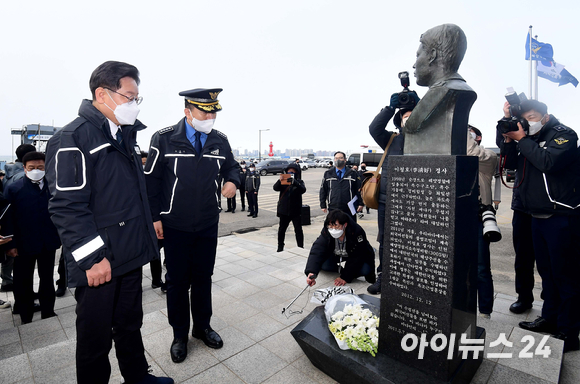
(357, 327)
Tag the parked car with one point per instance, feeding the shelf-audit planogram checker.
(271, 166)
(303, 165)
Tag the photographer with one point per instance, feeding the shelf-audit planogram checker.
(545, 154)
(487, 168)
(382, 138)
(290, 204)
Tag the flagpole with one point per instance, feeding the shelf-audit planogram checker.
(530, 71)
(536, 73)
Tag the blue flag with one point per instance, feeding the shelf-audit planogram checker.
(540, 51)
(550, 70)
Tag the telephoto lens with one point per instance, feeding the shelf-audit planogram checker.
(491, 231)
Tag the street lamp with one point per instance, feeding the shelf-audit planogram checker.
(260, 143)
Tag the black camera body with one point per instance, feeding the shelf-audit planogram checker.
(511, 125)
(405, 101)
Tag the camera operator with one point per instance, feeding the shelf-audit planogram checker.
(545, 154)
(382, 137)
(487, 168)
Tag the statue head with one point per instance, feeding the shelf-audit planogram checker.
(440, 53)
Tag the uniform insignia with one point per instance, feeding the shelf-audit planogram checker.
(560, 128)
(561, 140)
(165, 130)
(137, 150)
(221, 134)
(216, 152)
(213, 95)
(360, 239)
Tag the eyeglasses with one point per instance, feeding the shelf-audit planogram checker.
(334, 226)
(137, 99)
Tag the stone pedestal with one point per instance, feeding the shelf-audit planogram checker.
(430, 261)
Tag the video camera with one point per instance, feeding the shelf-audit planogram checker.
(405, 101)
(515, 101)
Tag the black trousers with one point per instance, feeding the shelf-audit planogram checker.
(252, 203)
(112, 311)
(556, 242)
(190, 259)
(297, 223)
(243, 197)
(231, 203)
(23, 283)
(525, 257)
(155, 265)
(61, 271)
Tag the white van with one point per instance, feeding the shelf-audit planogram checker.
(371, 159)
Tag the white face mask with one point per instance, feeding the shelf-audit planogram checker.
(336, 233)
(252, 169)
(125, 113)
(535, 127)
(35, 175)
(203, 126)
(473, 135)
(243, 166)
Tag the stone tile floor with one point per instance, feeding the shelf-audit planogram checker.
(252, 283)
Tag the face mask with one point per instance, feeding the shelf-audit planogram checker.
(35, 175)
(125, 113)
(340, 163)
(243, 166)
(252, 169)
(363, 168)
(203, 126)
(404, 121)
(535, 127)
(336, 233)
(473, 135)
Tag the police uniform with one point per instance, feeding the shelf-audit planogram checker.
(184, 188)
(252, 187)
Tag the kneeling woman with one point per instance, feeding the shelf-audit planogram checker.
(341, 241)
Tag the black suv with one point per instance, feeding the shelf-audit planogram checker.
(271, 166)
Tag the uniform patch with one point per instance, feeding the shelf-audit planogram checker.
(221, 134)
(560, 128)
(216, 152)
(137, 150)
(166, 129)
(360, 239)
(561, 140)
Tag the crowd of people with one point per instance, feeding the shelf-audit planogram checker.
(113, 207)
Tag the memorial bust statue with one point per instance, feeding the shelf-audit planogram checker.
(438, 123)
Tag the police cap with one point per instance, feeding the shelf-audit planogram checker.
(203, 99)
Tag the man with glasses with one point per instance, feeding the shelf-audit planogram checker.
(99, 206)
(340, 185)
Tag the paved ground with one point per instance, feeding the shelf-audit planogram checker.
(252, 283)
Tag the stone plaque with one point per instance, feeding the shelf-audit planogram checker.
(429, 283)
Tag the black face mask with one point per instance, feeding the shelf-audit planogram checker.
(363, 168)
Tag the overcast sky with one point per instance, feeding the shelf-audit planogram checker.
(313, 72)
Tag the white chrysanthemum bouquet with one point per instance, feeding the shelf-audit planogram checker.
(352, 323)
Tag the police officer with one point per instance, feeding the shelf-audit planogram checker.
(183, 171)
(243, 197)
(252, 187)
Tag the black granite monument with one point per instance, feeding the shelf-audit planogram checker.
(427, 331)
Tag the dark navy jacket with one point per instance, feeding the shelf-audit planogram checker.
(549, 164)
(28, 219)
(382, 137)
(335, 193)
(99, 198)
(183, 187)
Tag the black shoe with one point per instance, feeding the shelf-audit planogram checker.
(209, 337)
(243, 209)
(178, 350)
(251, 214)
(371, 278)
(570, 343)
(280, 248)
(376, 287)
(60, 291)
(539, 325)
(254, 216)
(228, 210)
(520, 307)
(150, 379)
(164, 287)
(48, 316)
(157, 284)
(7, 288)
(16, 310)
(233, 211)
